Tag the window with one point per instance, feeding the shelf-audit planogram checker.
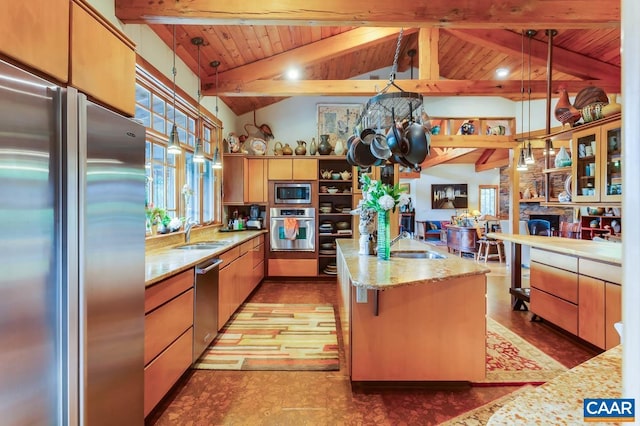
(176, 183)
(489, 200)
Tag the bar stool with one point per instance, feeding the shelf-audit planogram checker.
(491, 249)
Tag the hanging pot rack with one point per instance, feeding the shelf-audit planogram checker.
(380, 109)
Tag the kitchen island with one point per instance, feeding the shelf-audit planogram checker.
(411, 319)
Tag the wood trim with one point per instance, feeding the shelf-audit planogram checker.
(105, 23)
(229, 256)
(591, 305)
(449, 154)
(555, 281)
(503, 162)
(555, 310)
(166, 290)
(428, 62)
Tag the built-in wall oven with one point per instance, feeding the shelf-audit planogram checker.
(292, 228)
(292, 193)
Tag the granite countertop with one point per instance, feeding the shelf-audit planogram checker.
(596, 250)
(559, 401)
(369, 272)
(167, 261)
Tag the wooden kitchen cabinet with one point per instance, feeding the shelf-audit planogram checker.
(168, 335)
(293, 169)
(245, 180)
(612, 313)
(36, 33)
(103, 59)
(591, 313)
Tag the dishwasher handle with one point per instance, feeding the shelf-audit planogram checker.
(206, 267)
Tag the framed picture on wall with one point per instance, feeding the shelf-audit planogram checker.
(337, 121)
(449, 196)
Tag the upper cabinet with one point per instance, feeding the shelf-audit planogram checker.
(293, 168)
(36, 33)
(597, 163)
(244, 180)
(103, 60)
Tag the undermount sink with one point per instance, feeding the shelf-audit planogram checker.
(418, 255)
(203, 245)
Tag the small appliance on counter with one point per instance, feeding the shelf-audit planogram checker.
(255, 220)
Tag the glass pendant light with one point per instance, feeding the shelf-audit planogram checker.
(217, 162)
(528, 155)
(522, 164)
(174, 139)
(198, 155)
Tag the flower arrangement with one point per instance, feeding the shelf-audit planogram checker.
(157, 215)
(382, 197)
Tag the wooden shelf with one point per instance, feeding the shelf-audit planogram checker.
(536, 200)
(566, 134)
(558, 170)
(409, 175)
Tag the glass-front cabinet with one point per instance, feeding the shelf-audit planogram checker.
(611, 151)
(597, 164)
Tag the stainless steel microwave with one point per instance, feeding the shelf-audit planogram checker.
(292, 193)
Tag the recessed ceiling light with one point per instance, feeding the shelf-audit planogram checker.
(293, 74)
(502, 72)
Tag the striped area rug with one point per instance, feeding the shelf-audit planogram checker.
(268, 336)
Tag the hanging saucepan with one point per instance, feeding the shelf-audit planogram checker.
(379, 147)
(367, 136)
(418, 143)
(350, 159)
(396, 143)
(362, 155)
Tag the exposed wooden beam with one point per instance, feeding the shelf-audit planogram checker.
(434, 160)
(309, 54)
(564, 60)
(428, 65)
(509, 88)
(492, 165)
(486, 154)
(472, 141)
(398, 13)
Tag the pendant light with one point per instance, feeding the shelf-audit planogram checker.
(529, 158)
(198, 155)
(174, 139)
(217, 163)
(522, 165)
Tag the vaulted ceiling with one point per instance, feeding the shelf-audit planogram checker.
(459, 45)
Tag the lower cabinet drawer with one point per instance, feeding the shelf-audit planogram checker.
(555, 310)
(558, 282)
(293, 267)
(166, 369)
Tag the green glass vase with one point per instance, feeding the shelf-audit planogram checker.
(384, 236)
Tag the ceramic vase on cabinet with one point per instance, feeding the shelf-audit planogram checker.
(324, 148)
(313, 147)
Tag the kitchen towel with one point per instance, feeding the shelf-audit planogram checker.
(290, 228)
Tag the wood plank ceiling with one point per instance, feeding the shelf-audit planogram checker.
(257, 41)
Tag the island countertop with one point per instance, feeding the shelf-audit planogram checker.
(596, 250)
(167, 261)
(369, 272)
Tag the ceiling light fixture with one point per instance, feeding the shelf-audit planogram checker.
(198, 155)
(174, 138)
(502, 72)
(522, 165)
(293, 74)
(529, 158)
(217, 162)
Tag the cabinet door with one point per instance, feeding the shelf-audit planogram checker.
(591, 304)
(226, 293)
(586, 169)
(611, 155)
(103, 61)
(280, 168)
(235, 182)
(613, 313)
(257, 181)
(36, 33)
(305, 169)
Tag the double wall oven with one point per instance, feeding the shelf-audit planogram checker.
(292, 228)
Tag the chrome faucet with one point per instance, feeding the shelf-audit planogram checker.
(401, 236)
(187, 229)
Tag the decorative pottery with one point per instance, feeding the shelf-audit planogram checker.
(564, 111)
(286, 150)
(339, 149)
(325, 174)
(562, 158)
(277, 148)
(467, 128)
(324, 148)
(346, 175)
(336, 176)
(313, 148)
(612, 108)
(301, 149)
(384, 236)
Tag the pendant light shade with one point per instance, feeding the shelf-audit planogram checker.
(198, 155)
(174, 138)
(528, 156)
(522, 164)
(217, 161)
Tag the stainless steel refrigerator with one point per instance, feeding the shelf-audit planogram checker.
(72, 187)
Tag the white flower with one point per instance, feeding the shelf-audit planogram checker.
(386, 202)
(403, 200)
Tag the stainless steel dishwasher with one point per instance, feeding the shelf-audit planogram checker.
(205, 314)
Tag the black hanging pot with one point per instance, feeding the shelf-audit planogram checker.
(418, 143)
(362, 155)
(397, 143)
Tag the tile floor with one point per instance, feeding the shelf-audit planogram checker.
(326, 398)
